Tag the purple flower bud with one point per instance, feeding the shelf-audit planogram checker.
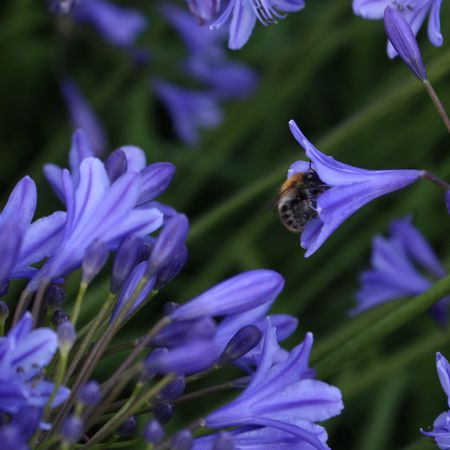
(447, 201)
(173, 390)
(72, 429)
(66, 337)
(180, 333)
(128, 428)
(59, 317)
(191, 358)
(155, 180)
(241, 343)
(126, 259)
(11, 237)
(4, 288)
(4, 312)
(204, 10)
(182, 441)
(175, 266)
(223, 441)
(163, 412)
(148, 243)
(153, 432)
(94, 260)
(404, 41)
(237, 294)
(90, 394)
(54, 296)
(168, 243)
(27, 420)
(116, 165)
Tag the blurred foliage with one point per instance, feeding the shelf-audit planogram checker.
(323, 67)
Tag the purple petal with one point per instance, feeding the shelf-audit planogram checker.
(11, 238)
(11, 396)
(443, 370)
(434, 24)
(40, 393)
(155, 180)
(242, 24)
(53, 175)
(370, 9)
(136, 160)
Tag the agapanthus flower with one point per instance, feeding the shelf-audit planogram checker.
(441, 426)
(23, 243)
(204, 10)
(82, 115)
(414, 12)
(24, 352)
(348, 188)
(189, 110)
(243, 14)
(280, 397)
(397, 266)
(118, 25)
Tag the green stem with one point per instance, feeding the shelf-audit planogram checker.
(78, 303)
(437, 103)
(126, 411)
(403, 313)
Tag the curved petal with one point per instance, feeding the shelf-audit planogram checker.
(370, 9)
(242, 24)
(136, 160)
(12, 397)
(434, 24)
(53, 175)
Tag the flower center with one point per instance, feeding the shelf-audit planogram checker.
(266, 13)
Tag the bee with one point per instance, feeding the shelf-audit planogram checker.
(297, 200)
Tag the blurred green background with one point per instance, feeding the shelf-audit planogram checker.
(323, 67)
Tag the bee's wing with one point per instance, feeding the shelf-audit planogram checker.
(272, 205)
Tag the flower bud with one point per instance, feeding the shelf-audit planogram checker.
(173, 390)
(223, 441)
(72, 429)
(128, 428)
(59, 317)
(95, 258)
(171, 270)
(116, 165)
(168, 243)
(66, 337)
(204, 10)
(27, 420)
(404, 41)
(148, 243)
(54, 296)
(153, 432)
(4, 288)
(447, 201)
(163, 412)
(241, 343)
(90, 394)
(155, 180)
(182, 441)
(125, 261)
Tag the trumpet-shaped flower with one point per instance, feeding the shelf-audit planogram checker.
(243, 14)
(441, 426)
(395, 269)
(349, 188)
(280, 397)
(23, 354)
(414, 12)
(97, 209)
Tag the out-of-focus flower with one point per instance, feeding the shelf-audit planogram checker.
(441, 426)
(404, 42)
(349, 188)
(23, 243)
(394, 273)
(204, 10)
(189, 110)
(243, 15)
(413, 11)
(62, 6)
(23, 354)
(118, 25)
(72, 429)
(280, 397)
(82, 115)
(153, 432)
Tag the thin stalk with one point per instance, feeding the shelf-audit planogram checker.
(78, 302)
(38, 302)
(426, 175)
(437, 103)
(124, 413)
(22, 305)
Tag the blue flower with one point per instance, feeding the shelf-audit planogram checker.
(348, 189)
(441, 426)
(97, 209)
(413, 11)
(395, 269)
(118, 25)
(204, 10)
(244, 14)
(281, 397)
(189, 110)
(23, 354)
(23, 243)
(82, 115)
